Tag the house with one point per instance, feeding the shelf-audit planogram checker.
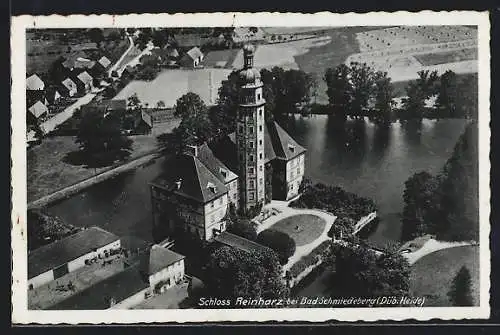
(54, 260)
(156, 271)
(192, 58)
(69, 87)
(104, 62)
(38, 109)
(84, 82)
(34, 83)
(248, 168)
(106, 106)
(52, 95)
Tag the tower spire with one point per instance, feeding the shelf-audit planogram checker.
(248, 51)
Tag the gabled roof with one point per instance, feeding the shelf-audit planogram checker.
(85, 77)
(104, 61)
(84, 63)
(67, 249)
(221, 171)
(69, 84)
(283, 144)
(158, 258)
(194, 53)
(193, 178)
(34, 82)
(38, 108)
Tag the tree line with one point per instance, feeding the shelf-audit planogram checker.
(445, 205)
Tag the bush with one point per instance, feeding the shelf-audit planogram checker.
(244, 228)
(309, 259)
(280, 242)
(335, 200)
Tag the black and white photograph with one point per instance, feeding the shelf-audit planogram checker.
(320, 169)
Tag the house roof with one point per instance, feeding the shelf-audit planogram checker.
(69, 84)
(158, 258)
(84, 63)
(221, 171)
(34, 82)
(85, 77)
(283, 144)
(120, 287)
(108, 105)
(239, 242)
(67, 249)
(194, 53)
(38, 108)
(104, 61)
(196, 180)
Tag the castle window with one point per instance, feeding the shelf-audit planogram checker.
(291, 147)
(223, 172)
(251, 130)
(260, 155)
(260, 128)
(251, 158)
(252, 184)
(251, 196)
(298, 170)
(251, 144)
(260, 110)
(211, 187)
(258, 96)
(212, 204)
(251, 170)
(260, 168)
(260, 181)
(260, 142)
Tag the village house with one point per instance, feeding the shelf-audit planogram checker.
(69, 87)
(248, 168)
(84, 82)
(38, 109)
(34, 83)
(104, 62)
(192, 58)
(56, 259)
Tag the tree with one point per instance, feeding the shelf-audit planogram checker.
(460, 291)
(144, 37)
(95, 35)
(278, 241)
(339, 90)
(362, 79)
(446, 101)
(361, 272)
(195, 126)
(233, 273)
(383, 92)
(420, 201)
(100, 138)
(418, 92)
(467, 103)
(242, 227)
(342, 228)
(160, 104)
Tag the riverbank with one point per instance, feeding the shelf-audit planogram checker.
(52, 166)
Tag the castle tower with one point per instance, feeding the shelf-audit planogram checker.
(250, 133)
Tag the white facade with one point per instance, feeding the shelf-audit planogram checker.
(169, 275)
(294, 174)
(133, 300)
(73, 265)
(233, 192)
(215, 211)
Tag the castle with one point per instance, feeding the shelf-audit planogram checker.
(248, 168)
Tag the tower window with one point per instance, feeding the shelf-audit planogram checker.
(251, 170)
(260, 128)
(260, 142)
(251, 196)
(260, 155)
(250, 144)
(260, 181)
(258, 96)
(260, 168)
(251, 130)
(252, 184)
(251, 158)
(260, 111)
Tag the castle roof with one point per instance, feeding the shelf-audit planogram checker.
(189, 177)
(283, 144)
(159, 258)
(219, 169)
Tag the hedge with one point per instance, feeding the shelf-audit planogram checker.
(309, 259)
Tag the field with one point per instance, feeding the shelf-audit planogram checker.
(303, 228)
(433, 274)
(447, 57)
(48, 169)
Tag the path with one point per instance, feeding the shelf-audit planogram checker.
(431, 246)
(136, 60)
(113, 68)
(51, 124)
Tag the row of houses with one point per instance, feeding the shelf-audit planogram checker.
(73, 76)
(155, 270)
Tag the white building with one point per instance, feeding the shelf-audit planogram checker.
(54, 260)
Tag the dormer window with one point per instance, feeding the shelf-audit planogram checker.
(211, 187)
(223, 172)
(291, 147)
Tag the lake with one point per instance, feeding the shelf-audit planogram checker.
(360, 157)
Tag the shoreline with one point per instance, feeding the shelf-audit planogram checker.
(95, 179)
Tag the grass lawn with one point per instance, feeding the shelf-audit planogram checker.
(48, 172)
(433, 274)
(303, 228)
